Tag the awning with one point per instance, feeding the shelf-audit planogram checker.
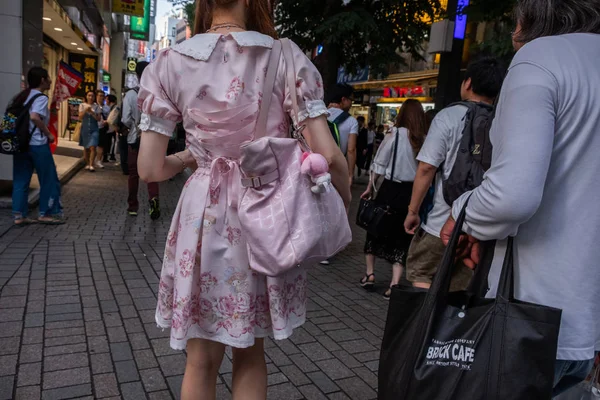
(400, 80)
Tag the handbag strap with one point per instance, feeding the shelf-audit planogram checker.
(288, 56)
(395, 154)
(263, 116)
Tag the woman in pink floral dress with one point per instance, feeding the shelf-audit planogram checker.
(208, 295)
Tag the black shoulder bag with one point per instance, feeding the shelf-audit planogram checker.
(379, 220)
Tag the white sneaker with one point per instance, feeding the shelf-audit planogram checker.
(326, 262)
(99, 165)
(87, 167)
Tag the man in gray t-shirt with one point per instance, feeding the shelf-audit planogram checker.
(482, 83)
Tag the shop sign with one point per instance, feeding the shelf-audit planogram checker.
(361, 75)
(131, 64)
(105, 77)
(416, 91)
(129, 7)
(140, 26)
(88, 67)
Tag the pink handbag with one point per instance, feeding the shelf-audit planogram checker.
(284, 222)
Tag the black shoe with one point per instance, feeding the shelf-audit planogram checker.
(154, 209)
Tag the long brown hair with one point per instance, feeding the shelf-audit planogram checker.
(412, 117)
(260, 15)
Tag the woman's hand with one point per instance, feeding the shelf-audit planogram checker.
(189, 160)
(368, 193)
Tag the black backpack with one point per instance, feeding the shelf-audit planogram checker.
(334, 126)
(14, 132)
(474, 155)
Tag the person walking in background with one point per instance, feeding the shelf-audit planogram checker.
(90, 114)
(122, 134)
(340, 99)
(430, 116)
(361, 144)
(543, 183)
(379, 136)
(481, 84)
(104, 137)
(208, 297)
(38, 156)
(370, 145)
(131, 119)
(399, 172)
(112, 122)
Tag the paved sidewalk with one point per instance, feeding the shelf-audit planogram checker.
(77, 310)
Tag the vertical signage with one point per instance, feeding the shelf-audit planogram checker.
(88, 67)
(140, 27)
(460, 25)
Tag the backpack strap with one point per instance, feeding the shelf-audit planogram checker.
(27, 107)
(397, 137)
(341, 118)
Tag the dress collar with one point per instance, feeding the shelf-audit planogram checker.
(200, 47)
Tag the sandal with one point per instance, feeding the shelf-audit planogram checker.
(387, 294)
(366, 283)
(24, 222)
(51, 221)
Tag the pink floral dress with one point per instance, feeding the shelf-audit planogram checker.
(213, 83)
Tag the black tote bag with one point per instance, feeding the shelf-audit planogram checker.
(379, 220)
(453, 346)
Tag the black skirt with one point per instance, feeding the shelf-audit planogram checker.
(394, 248)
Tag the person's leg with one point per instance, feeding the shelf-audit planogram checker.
(568, 374)
(46, 172)
(154, 203)
(397, 270)
(113, 146)
(250, 373)
(201, 369)
(99, 155)
(92, 159)
(86, 158)
(123, 154)
(133, 181)
(22, 173)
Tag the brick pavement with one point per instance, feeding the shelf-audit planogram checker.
(77, 310)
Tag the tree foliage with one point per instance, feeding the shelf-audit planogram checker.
(500, 19)
(357, 33)
(189, 10)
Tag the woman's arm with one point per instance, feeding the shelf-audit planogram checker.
(39, 123)
(319, 139)
(153, 166)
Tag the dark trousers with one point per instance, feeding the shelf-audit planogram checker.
(124, 152)
(134, 181)
(110, 153)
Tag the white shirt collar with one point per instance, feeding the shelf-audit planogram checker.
(200, 47)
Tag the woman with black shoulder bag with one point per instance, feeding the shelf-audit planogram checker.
(396, 161)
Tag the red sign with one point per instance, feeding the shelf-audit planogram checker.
(416, 91)
(67, 82)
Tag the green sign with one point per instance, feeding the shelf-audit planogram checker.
(105, 77)
(140, 27)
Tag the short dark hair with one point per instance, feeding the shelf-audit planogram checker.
(100, 91)
(539, 18)
(337, 92)
(139, 69)
(111, 98)
(360, 118)
(486, 76)
(35, 77)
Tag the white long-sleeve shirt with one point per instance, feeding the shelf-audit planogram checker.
(131, 115)
(544, 184)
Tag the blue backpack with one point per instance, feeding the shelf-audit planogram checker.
(14, 128)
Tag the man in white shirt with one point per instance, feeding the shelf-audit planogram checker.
(340, 102)
(482, 83)
(131, 119)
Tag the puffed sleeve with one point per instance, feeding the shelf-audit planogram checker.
(309, 89)
(156, 97)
